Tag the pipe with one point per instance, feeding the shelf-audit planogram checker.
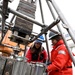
(42, 15)
(47, 28)
(61, 16)
(4, 15)
(71, 55)
(25, 17)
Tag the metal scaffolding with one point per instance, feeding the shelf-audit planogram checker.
(45, 28)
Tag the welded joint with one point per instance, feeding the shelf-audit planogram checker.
(57, 20)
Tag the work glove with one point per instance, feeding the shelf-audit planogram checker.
(48, 63)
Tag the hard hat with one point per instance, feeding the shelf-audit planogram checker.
(40, 39)
(52, 34)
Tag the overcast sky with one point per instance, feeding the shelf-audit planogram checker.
(66, 7)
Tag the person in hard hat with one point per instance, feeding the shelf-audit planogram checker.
(36, 52)
(61, 63)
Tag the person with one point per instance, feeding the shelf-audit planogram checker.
(61, 63)
(36, 52)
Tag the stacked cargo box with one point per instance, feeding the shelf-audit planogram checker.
(27, 9)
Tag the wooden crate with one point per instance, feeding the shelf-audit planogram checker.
(28, 9)
(24, 24)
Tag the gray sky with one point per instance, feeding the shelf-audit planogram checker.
(66, 6)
